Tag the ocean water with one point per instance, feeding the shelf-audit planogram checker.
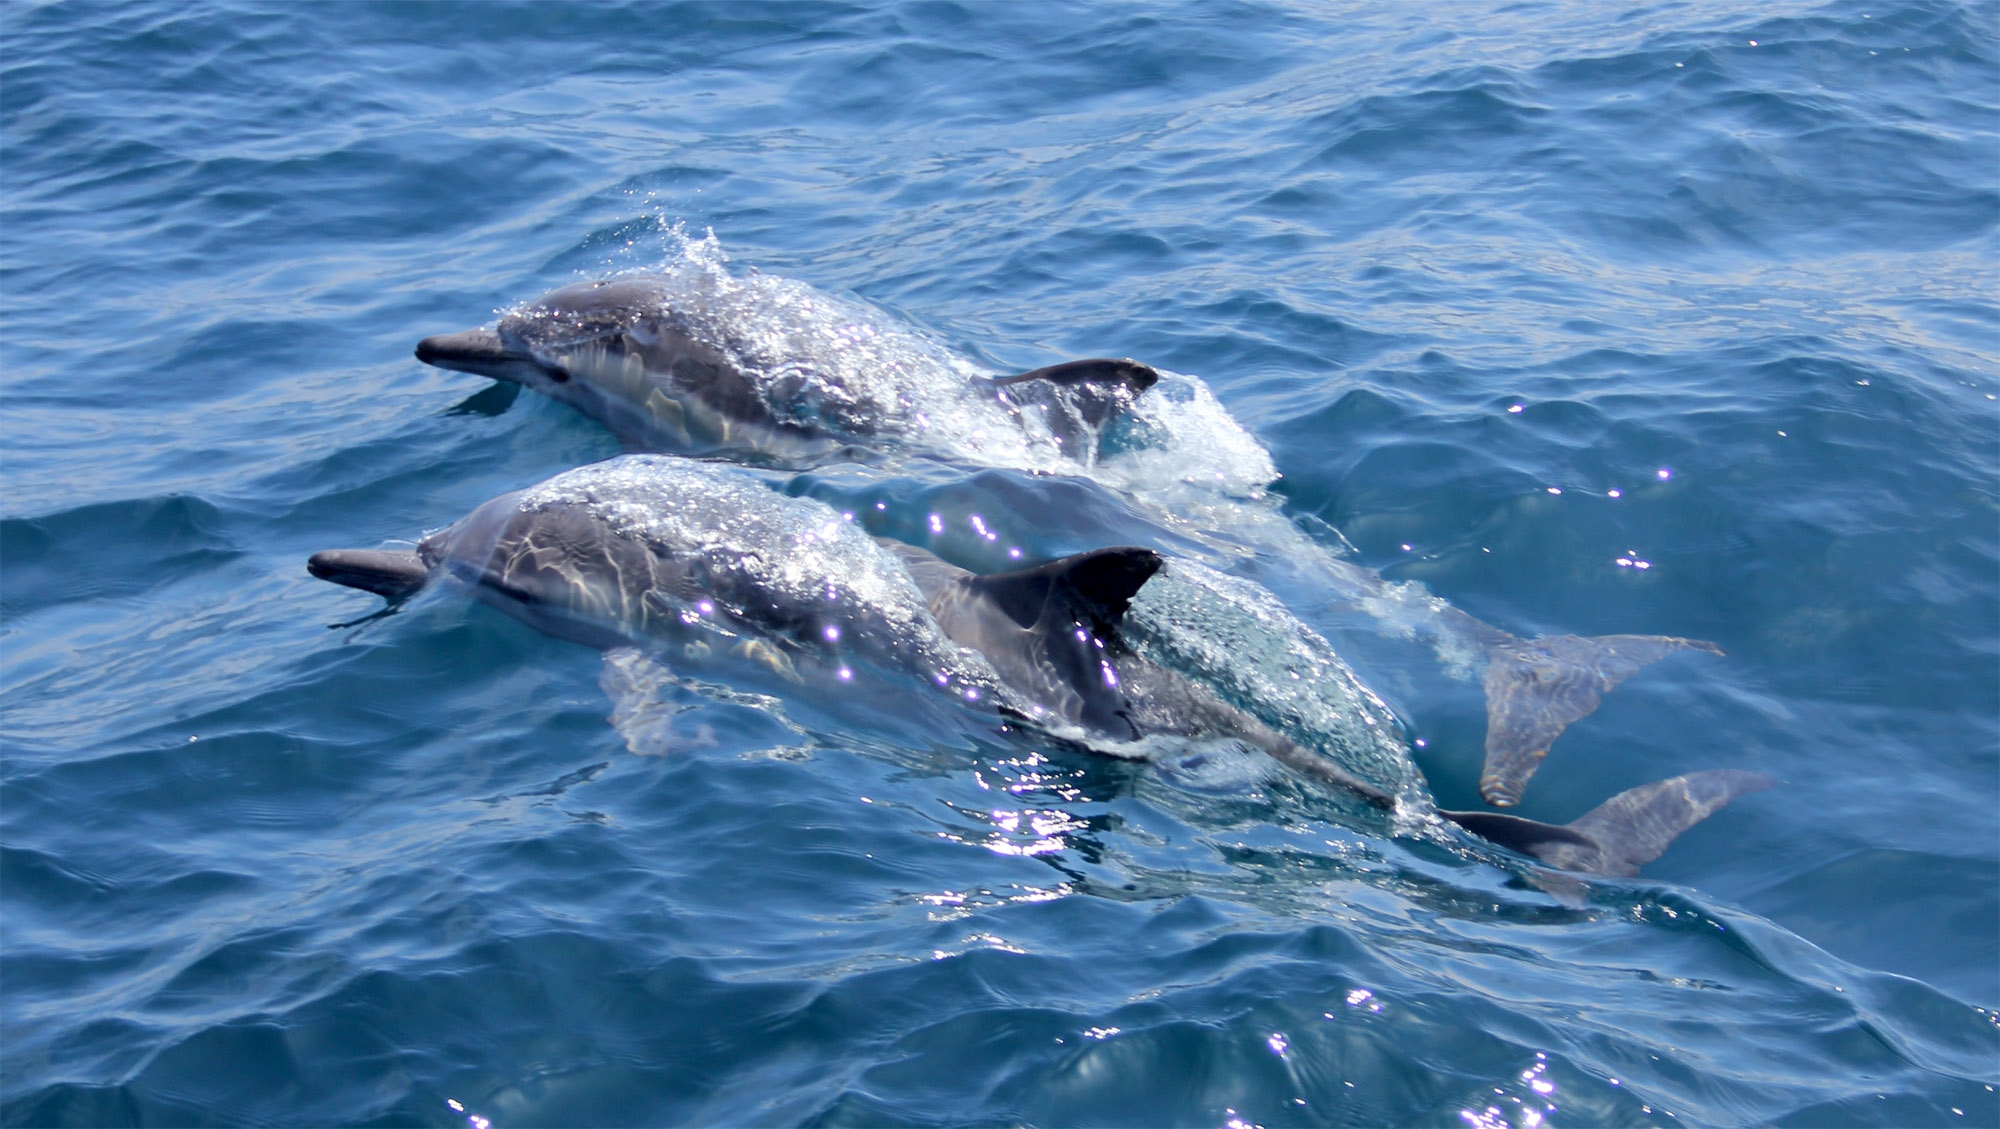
(1669, 318)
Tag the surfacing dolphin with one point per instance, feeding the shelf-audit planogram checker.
(701, 561)
(663, 377)
(695, 361)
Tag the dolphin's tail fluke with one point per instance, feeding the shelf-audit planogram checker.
(1623, 833)
(392, 573)
(1536, 687)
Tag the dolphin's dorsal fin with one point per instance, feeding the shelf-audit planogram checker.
(1123, 373)
(1099, 386)
(1623, 833)
(1098, 585)
(1052, 630)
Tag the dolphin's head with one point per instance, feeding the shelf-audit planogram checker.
(616, 350)
(576, 332)
(561, 569)
(566, 568)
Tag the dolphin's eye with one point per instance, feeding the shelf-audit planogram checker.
(557, 373)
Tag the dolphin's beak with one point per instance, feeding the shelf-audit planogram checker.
(477, 351)
(391, 573)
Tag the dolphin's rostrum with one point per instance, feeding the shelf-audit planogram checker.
(696, 560)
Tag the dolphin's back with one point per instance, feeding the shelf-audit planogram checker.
(1235, 636)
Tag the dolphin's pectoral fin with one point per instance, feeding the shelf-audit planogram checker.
(1536, 687)
(640, 688)
(768, 655)
(393, 574)
(669, 416)
(1101, 386)
(1623, 833)
(658, 712)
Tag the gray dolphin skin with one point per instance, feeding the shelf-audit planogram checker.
(663, 377)
(693, 361)
(696, 560)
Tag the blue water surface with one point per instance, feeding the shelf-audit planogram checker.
(1467, 270)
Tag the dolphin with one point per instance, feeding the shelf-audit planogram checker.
(702, 560)
(695, 361)
(666, 375)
